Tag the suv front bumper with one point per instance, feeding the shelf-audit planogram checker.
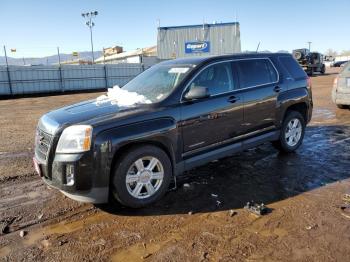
(73, 175)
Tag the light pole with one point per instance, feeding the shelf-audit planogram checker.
(309, 45)
(89, 16)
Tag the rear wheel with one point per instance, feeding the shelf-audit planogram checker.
(292, 132)
(323, 69)
(141, 176)
(311, 71)
(341, 106)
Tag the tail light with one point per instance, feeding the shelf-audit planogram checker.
(309, 82)
(335, 83)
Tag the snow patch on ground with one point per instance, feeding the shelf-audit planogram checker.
(121, 98)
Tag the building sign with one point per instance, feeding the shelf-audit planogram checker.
(197, 47)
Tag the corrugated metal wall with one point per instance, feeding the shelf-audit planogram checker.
(224, 38)
(42, 79)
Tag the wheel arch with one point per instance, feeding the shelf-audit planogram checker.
(299, 100)
(300, 107)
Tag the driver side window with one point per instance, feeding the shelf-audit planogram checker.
(217, 78)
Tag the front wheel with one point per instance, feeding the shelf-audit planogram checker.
(141, 176)
(292, 132)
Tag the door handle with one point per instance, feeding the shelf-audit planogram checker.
(233, 99)
(277, 89)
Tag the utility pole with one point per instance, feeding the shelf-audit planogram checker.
(60, 68)
(8, 71)
(309, 45)
(89, 16)
(59, 57)
(104, 56)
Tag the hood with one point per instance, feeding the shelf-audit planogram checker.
(81, 112)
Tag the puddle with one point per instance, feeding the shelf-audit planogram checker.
(33, 194)
(323, 113)
(136, 253)
(37, 235)
(4, 251)
(280, 232)
(139, 252)
(61, 228)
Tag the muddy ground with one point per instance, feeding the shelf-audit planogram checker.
(308, 221)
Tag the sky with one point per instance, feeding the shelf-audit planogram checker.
(36, 27)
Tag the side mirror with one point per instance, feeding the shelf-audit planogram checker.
(197, 92)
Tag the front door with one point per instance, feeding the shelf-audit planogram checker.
(208, 122)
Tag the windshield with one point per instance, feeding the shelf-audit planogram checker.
(157, 82)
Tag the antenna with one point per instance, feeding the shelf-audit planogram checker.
(257, 48)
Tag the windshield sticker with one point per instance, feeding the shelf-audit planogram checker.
(178, 70)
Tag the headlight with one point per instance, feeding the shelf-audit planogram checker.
(75, 139)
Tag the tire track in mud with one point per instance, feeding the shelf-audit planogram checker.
(26, 201)
(12, 155)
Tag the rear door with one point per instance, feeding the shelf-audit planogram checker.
(207, 123)
(259, 79)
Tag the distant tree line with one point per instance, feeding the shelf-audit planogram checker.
(331, 52)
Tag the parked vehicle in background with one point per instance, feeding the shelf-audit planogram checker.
(339, 63)
(311, 62)
(179, 114)
(341, 88)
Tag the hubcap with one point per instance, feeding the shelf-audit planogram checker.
(144, 177)
(293, 132)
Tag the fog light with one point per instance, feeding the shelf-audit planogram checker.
(69, 175)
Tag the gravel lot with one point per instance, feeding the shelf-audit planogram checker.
(309, 219)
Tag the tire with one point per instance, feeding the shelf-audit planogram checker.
(298, 55)
(145, 182)
(323, 69)
(311, 71)
(285, 144)
(341, 106)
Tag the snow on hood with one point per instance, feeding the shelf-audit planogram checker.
(121, 98)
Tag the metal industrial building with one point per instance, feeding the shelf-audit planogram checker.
(198, 40)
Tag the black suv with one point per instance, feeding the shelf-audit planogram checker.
(130, 144)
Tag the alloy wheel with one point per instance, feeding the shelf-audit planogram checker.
(144, 177)
(293, 132)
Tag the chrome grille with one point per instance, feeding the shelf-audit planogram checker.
(42, 144)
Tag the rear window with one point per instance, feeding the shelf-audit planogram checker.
(254, 72)
(292, 66)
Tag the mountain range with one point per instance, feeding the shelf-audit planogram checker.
(48, 60)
